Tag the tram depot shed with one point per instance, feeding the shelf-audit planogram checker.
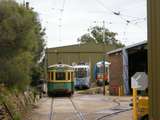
(89, 53)
(125, 62)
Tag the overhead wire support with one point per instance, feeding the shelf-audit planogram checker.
(104, 68)
(110, 10)
(103, 58)
(118, 13)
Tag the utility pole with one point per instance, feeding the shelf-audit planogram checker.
(46, 63)
(46, 68)
(104, 68)
(154, 58)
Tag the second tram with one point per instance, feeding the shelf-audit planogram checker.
(82, 76)
(99, 74)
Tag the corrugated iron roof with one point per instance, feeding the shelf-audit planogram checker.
(127, 47)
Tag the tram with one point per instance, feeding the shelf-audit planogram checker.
(99, 75)
(82, 76)
(60, 79)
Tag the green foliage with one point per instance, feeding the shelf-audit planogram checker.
(96, 34)
(16, 71)
(17, 116)
(21, 43)
(36, 75)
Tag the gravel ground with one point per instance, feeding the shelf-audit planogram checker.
(91, 107)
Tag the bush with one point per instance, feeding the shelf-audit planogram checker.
(21, 43)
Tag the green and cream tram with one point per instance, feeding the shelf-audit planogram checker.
(60, 79)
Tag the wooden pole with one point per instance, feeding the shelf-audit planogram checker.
(154, 58)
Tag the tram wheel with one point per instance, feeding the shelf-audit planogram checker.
(69, 94)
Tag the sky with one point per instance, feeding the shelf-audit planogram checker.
(67, 20)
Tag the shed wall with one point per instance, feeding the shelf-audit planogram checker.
(116, 72)
(90, 53)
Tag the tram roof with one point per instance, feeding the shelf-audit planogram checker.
(81, 66)
(60, 65)
(101, 62)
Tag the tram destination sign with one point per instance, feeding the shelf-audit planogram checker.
(139, 81)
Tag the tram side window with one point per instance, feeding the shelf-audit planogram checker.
(106, 69)
(69, 76)
(101, 69)
(52, 75)
(80, 73)
(60, 76)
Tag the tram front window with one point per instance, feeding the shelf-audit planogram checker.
(101, 69)
(81, 73)
(60, 76)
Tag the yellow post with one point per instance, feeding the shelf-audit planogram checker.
(120, 90)
(135, 117)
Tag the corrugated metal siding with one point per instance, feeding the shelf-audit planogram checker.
(90, 52)
(154, 58)
(89, 47)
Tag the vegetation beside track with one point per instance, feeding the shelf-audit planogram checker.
(21, 49)
(15, 104)
(21, 45)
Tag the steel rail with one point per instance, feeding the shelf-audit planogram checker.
(114, 113)
(51, 110)
(78, 113)
(108, 115)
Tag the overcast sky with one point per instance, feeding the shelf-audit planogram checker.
(66, 20)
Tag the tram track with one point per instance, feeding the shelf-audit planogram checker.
(112, 114)
(115, 109)
(51, 110)
(78, 115)
(77, 112)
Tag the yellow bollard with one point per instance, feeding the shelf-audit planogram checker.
(135, 117)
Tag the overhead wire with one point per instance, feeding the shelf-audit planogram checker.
(127, 18)
(118, 13)
(134, 21)
(60, 20)
(102, 4)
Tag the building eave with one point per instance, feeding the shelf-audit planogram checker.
(127, 47)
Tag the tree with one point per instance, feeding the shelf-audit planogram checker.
(96, 34)
(21, 43)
